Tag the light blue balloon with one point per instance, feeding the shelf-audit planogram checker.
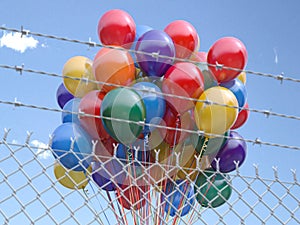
(238, 89)
(154, 102)
(80, 157)
(71, 106)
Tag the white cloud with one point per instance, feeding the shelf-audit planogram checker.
(42, 150)
(18, 42)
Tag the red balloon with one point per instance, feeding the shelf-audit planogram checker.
(229, 52)
(117, 27)
(183, 79)
(175, 120)
(90, 104)
(184, 36)
(242, 117)
(132, 196)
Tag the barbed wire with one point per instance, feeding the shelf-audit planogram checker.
(90, 43)
(267, 113)
(21, 69)
(257, 141)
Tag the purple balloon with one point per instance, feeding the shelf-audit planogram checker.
(63, 95)
(233, 150)
(108, 175)
(155, 41)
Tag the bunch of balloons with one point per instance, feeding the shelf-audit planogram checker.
(147, 110)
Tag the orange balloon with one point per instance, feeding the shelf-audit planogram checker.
(113, 66)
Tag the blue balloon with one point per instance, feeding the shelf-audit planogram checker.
(63, 95)
(126, 154)
(238, 89)
(140, 30)
(80, 157)
(71, 106)
(155, 42)
(108, 175)
(179, 197)
(154, 102)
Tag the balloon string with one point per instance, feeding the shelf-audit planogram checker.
(181, 203)
(147, 160)
(210, 183)
(122, 212)
(87, 197)
(176, 130)
(158, 209)
(204, 147)
(171, 158)
(132, 194)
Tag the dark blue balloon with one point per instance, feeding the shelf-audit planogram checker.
(108, 175)
(126, 154)
(63, 95)
(140, 30)
(71, 106)
(232, 150)
(80, 157)
(238, 89)
(154, 102)
(155, 42)
(178, 197)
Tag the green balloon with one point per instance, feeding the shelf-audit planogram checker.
(212, 189)
(213, 144)
(209, 78)
(123, 104)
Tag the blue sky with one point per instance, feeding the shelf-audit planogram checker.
(268, 29)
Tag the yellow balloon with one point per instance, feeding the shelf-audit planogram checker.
(80, 68)
(156, 141)
(167, 162)
(188, 163)
(216, 118)
(71, 179)
(242, 77)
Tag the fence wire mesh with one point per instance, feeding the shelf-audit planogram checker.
(32, 192)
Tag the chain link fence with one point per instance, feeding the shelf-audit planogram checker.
(36, 189)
